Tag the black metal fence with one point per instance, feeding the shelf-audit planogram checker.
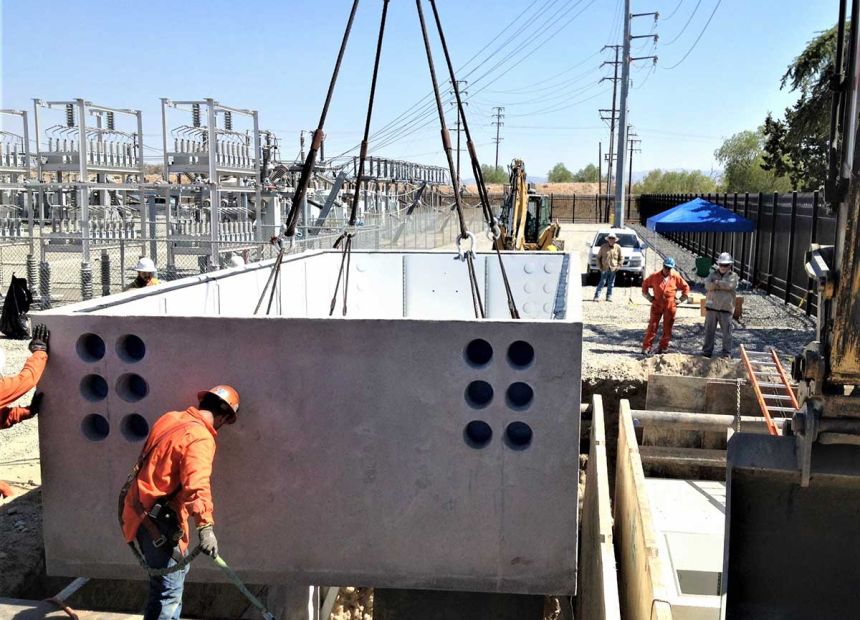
(581, 208)
(771, 258)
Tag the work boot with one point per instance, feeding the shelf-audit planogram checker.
(662, 350)
(726, 355)
(609, 299)
(704, 354)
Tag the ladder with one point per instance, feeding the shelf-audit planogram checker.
(773, 391)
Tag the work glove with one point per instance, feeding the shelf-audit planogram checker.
(208, 542)
(683, 299)
(648, 296)
(41, 335)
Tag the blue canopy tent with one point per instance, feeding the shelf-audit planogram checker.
(698, 215)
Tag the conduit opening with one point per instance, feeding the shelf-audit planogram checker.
(90, 347)
(518, 435)
(132, 387)
(521, 354)
(134, 427)
(94, 388)
(479, 352)
(479, 394)
(478, 434)
(519, 395)
(95, 427)
(130, 348)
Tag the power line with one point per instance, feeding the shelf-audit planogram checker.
(716, 6)
(675, 10)
(684, 29)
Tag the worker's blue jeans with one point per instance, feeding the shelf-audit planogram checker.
(607, 278)
(165, 593)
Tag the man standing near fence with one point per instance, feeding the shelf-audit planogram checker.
(721, 289)
(665, 283)
(608, 260)
(145, 269)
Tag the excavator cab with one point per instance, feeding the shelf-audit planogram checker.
(526, 217)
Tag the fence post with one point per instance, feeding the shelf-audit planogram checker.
(757, 241)
(790, 247)
(813, 236)
(105, 269)
(744, 235)
(772, 243)
(573, 210)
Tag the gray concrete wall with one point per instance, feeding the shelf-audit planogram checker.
(350, 462)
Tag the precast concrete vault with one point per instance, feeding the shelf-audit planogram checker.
(406, 445)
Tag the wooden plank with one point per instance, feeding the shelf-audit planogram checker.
(597, 589)
(40, 610)
(640, 566)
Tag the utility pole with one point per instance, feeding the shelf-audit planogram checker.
(622, 118)
(632, 141)
(613, 113)
(599, 164)
(463, 94)
(498, 114)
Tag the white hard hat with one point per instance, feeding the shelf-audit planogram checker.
(236, 261)
(725, 259)
(146, 265)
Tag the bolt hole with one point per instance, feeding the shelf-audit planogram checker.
(479, 394)
(95, 427)
(130, 348)
(521, 354)
(518, 435)
(131, 387)
(94, 388)
(134, 427)
(479, 352)
(478, 434)
(519, 395)
(90, 348)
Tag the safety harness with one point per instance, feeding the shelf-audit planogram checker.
(160, 513)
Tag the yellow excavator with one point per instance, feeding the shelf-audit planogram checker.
(525, 219)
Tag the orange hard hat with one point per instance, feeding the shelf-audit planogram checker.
(228, 395)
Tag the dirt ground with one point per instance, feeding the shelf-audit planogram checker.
(612, 367)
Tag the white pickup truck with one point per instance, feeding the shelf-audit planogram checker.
(632, 254)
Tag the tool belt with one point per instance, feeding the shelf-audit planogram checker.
(165, 520)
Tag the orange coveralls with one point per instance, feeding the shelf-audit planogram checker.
(182, 461)
(665, 288)
(13, 388)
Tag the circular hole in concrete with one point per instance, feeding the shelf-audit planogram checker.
(94, 388)
(131, 387)
(479, 394)
(521, 354)
(479, 352)
(95, 427)
(90, 348)
(134, 427)
(519, 395)
(478, 433)
(518, 435)
(130, 348)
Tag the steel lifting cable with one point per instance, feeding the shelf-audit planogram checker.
(349, 233)
(307, 169)
(468, 255)
(494, 230)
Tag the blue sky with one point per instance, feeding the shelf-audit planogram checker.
(539, 59)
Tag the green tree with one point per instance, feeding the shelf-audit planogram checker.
(494, 175)
(742, 157)
(796, 145)
(589, 174)
(559, 174)
(675, 182)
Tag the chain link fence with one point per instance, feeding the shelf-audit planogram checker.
(58, 274)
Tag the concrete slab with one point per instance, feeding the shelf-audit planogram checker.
(353, 460)
(689, 523)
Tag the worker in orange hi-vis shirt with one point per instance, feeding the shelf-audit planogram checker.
(665, 285)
